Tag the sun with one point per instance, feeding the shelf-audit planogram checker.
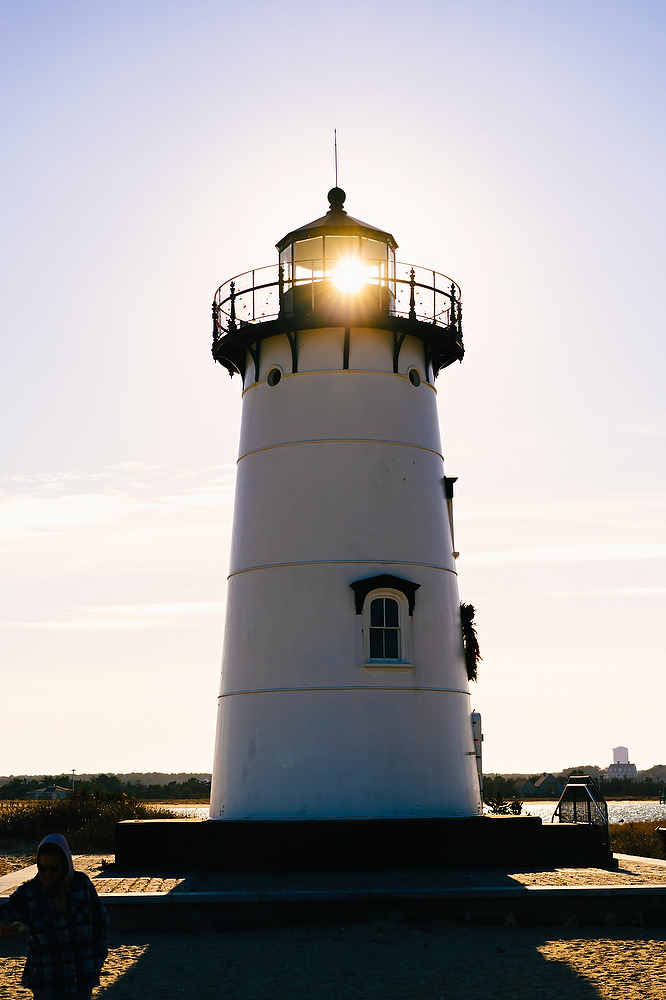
(350, 275)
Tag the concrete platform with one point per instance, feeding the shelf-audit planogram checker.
(185, 900)
(363, 845)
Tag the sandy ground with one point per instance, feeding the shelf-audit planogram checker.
(388, 958)
(14, 862)
(395, 957)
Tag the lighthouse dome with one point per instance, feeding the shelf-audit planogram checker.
(322, 244)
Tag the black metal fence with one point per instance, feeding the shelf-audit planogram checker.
(265, 294)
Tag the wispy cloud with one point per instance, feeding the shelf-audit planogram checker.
(652, 429)
(46, 505)
(571, 553)
(626, 592)
(135, 467)
(126, 616)
(23, 515)
(607, 592)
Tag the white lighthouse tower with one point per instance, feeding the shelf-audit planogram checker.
(344, 691)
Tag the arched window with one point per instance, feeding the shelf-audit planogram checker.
(387, 604)
(387, 630)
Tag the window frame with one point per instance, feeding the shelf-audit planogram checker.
(404, 593)
(404, 660)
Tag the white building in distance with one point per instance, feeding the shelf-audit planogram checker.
(621, 766)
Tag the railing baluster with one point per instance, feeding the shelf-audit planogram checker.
(216, 321)
(232, 308)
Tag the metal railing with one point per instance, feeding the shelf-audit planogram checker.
(262, 294)
(582, 802)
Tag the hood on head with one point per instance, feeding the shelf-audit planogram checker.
(57, 840)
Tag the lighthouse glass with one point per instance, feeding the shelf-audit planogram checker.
(341, 248)
(308, 259)
(350, 261)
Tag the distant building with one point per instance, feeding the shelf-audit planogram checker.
(547, 785)
(51, 792)
(525, 790)
(621, 766)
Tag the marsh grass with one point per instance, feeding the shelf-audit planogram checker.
(640, 839)
(87, 821)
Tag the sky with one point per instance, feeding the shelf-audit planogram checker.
(152, 150)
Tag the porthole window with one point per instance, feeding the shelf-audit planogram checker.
(274, 376)
(414, 376)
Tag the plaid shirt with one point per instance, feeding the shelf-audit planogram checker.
(66, 950)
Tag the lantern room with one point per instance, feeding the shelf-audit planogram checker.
(340, 250)
(337, 272)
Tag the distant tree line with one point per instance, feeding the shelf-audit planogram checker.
(504, 786)
(497, 786)
(646, 789)
(191, 788)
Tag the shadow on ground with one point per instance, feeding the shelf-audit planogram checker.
(392, 958)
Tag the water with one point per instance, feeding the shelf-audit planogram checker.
(618, 812)
(187, 812)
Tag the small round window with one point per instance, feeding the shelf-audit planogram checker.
(414, 376)
(274, 376)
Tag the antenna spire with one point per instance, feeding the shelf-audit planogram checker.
(335, 144)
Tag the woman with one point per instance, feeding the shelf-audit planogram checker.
(67, 926)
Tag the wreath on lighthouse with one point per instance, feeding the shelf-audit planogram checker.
(469, 640)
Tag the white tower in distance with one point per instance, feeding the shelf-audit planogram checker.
(344, 691)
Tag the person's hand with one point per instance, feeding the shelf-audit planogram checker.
(11, 930)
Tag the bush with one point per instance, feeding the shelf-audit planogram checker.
(640, 839)
(499, 806)
(87, 821)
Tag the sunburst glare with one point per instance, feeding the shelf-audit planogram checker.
(350, 275)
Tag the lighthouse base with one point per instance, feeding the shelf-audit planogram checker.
(327, 845)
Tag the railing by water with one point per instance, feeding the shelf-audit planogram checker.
(263, 294)
(582, 802)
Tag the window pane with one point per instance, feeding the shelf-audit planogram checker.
(391, 613)
(376, 644)
(308, 251)
(377, 612)
(338, 247)
(373, 249)
(391, 644)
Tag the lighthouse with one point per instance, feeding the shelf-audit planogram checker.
(344, 693)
